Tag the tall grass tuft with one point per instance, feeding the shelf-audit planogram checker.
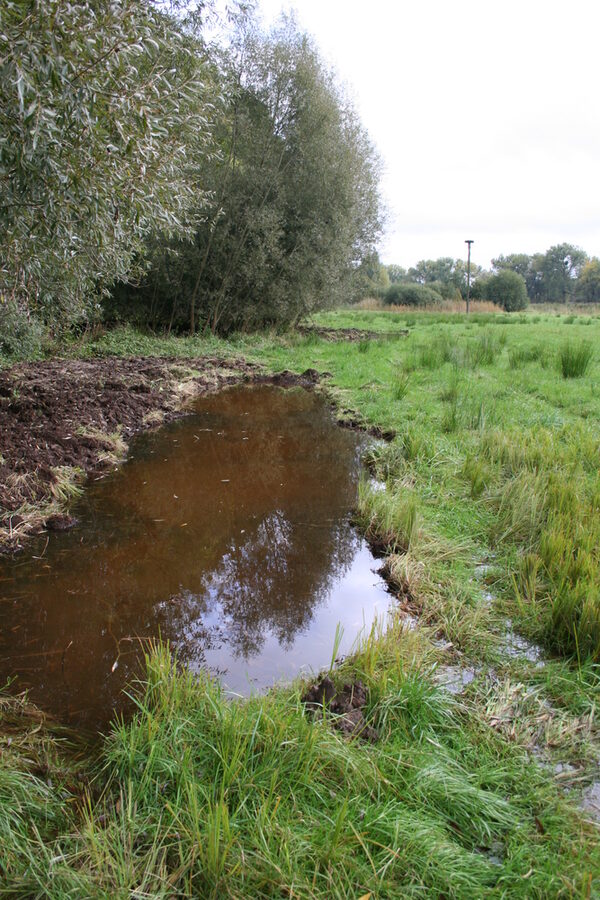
(450, 417)
(484, 350)
(521, 356)
(546, 504)
(389, 519)
(400, 383)
(436, 352)
(477, 473)
(451, 389)
(574, 358)
(200, 796)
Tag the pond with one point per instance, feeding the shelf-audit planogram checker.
(226, 533)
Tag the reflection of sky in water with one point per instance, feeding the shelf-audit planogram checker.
(353, 600)
(227, 534)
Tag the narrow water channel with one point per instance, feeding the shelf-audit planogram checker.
(226, 533)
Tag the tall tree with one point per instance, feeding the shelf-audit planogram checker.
(449, 275)
(295, 205)
(372, 277)
(396, 273)
(100, 105)
(560, 268)
(587, 289)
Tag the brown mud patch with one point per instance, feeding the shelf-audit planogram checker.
(350, 334)
(61, 420)
(349, 418)
(345, 706)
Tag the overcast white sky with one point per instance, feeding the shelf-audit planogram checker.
(486, 115)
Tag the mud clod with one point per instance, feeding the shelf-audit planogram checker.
(345, 705)
(350, 334)
(61, 523)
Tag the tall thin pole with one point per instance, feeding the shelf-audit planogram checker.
(469, 273)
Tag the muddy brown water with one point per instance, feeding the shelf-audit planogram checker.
(226, 533)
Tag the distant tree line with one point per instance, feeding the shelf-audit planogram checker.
(149, 173)
(563, 274)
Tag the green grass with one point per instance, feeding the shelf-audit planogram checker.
(199, 796)
(400, 386)
(495, 461)
(574, 359)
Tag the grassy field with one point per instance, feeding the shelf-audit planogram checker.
(491, 523)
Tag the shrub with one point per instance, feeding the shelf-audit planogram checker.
(508, 290)
(479, 288)
(20, 335)
(412, 295)
(574, 359)
(446, 290)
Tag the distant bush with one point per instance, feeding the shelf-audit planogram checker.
(508, 290)
(446, 290)
(412, 295)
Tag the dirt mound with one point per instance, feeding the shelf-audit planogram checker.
(345, 705)
(350, 334)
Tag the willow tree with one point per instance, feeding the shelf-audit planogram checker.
(101, 106)
(295, 204)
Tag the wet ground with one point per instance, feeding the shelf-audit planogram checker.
(227, 533)
(351, 334)
(61, 412)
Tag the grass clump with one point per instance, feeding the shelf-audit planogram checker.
(555, 523)
(484, 349)
(574, 358)
(198, 796)
(436, 352)
(400, 384)
(385, 461)
(477, 474)
(451, 417)
(522, 356)
(389, 520)
(451, 389)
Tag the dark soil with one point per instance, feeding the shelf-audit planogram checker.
(46, 408)
(344, 704)
(350, 334)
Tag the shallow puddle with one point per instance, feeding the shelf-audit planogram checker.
(226, 533)
(454, 679)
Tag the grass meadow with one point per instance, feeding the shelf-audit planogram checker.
(488, 515)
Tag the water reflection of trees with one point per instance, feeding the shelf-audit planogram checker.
(172, 548)
(273, 582)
